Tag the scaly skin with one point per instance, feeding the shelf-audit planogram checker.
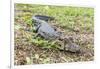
(48, 32)
(44, 29)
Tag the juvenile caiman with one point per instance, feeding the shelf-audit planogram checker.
(44, 29)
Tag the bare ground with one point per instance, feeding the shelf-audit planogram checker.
(27, 51)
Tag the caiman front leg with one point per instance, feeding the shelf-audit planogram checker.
(36, 35)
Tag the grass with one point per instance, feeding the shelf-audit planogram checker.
(77, 22)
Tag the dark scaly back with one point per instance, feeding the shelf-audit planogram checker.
(45, 18)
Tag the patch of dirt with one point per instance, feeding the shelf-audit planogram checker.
(27, 52)
(37, 55)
